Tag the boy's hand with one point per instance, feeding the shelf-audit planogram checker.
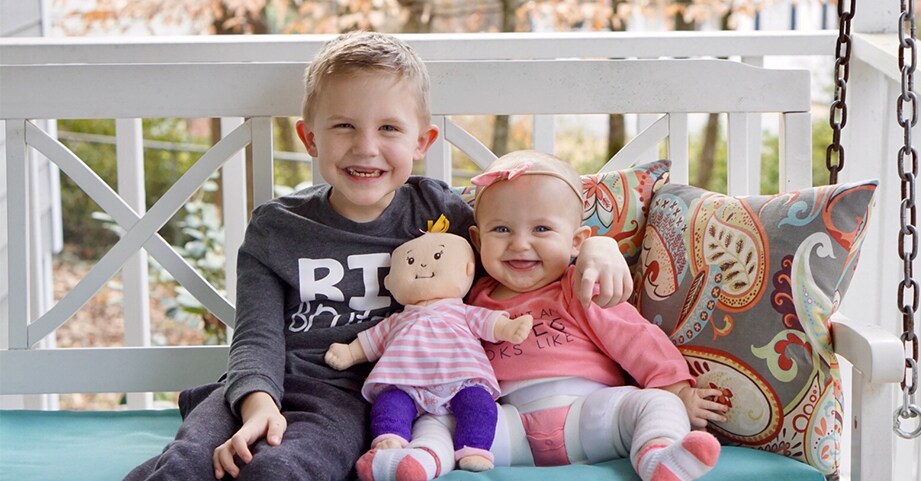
(701, 409)
(261, 419)
(601, 263)
(343, 356)
(513, 330)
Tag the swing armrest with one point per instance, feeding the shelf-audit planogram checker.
(875, 352)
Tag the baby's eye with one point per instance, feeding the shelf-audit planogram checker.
(542, 228)
(410, 260)
(501, 229)
(438, 255)
(389, 128)
(344, 125)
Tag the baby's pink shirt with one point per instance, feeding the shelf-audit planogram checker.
(600, 344)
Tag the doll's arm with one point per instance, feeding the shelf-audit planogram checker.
(698, 403)
(513, 330)
(343, 356)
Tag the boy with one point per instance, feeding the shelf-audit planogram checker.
(310, 273)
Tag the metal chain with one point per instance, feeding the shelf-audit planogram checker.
(907, 116)
(837, 115)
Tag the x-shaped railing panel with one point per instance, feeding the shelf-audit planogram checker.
(140, 232)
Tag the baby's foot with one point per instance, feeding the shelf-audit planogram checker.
(686, 460)
(474, 463)
(419, 464)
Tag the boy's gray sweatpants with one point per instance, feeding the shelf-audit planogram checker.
(327, 432)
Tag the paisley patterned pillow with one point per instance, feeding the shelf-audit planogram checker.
(616, 203)
(745, 286)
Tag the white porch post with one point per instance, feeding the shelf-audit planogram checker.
(871, 140)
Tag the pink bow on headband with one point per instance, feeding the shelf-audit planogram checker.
(489, 178)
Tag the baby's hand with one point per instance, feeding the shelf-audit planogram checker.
(339, 356)
(514, 330)
(701, 409)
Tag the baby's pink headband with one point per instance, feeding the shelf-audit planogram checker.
(486, 179)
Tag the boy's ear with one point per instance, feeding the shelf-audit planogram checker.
(426, 138)
(475, 237)
(306, 134)
(579, 237)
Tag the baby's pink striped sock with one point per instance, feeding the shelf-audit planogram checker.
(686, 460)
(411, 464)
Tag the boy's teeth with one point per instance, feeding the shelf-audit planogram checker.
(361, 173)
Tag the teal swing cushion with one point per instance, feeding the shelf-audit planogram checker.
(104, 446)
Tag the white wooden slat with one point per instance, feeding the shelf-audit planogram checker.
(125, 216)
(439, 153)
(468, 144)
(137, 235)
(439, 159)
(755, 134)
(129, 155)
(17, 233)
(795, 151)
(544, 133)
(742, 179)
(113, 369)
(678, 147)
(263, 160)
(506, 87)
(483, 46)
(233, 198)
(648, 139)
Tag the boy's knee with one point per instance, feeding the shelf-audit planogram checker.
(275, 462)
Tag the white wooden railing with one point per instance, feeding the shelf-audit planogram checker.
(214, 77)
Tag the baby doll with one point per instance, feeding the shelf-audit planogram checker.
(429, 357)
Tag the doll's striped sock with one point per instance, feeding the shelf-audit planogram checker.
(411, 464)
(686, 460)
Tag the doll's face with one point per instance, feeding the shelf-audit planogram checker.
(434, 266)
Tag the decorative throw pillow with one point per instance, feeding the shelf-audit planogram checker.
(616, 203)
(745, 286)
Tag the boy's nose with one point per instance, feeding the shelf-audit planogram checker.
(365, 144)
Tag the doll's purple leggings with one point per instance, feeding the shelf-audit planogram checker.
(394, 411)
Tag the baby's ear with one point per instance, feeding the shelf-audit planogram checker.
(578, 238)
(475, 237)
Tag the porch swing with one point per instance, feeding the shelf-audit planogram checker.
(755, 367)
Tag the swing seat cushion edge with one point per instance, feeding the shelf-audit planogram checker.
(106, 445)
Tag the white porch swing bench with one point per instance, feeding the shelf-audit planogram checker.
(105, 445)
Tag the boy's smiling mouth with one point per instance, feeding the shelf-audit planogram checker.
(363, 172)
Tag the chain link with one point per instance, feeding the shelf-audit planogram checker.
(837, 114)
(907, 117)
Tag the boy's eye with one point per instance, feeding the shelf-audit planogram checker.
(389, 128)
(438, 255)
(410, 260)
(542, 228)
(343, 125)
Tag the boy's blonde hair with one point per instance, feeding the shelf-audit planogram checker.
(532, 162)
(360, 51)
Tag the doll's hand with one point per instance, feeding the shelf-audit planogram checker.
(701, 409)
(514, 330)
(601, 273)
(339, 356)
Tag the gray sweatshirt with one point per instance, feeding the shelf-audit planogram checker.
(308, 277)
